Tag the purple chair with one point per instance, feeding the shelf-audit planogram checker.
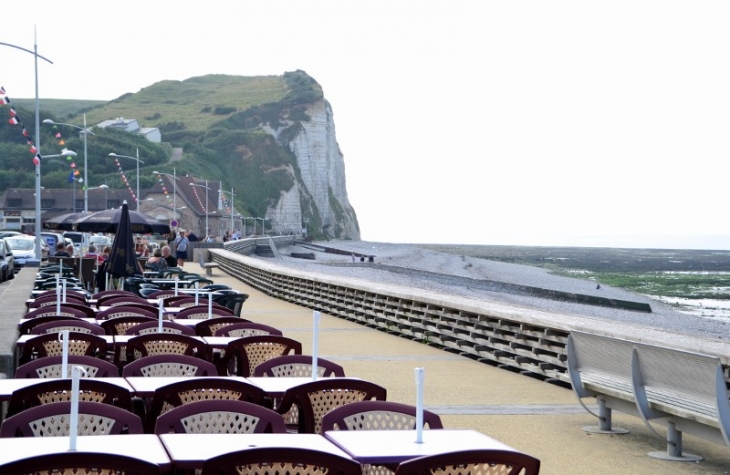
(106, 293)
(120, 325)
(210, 325)
(222, 416)
(244, 354)
(80, 463)
(65, 312)
(161, 294)
(289, 366)
(169, 365)
(28, 326)
(50, 345)
(50, 299)
(317, 398)
(79, 326)
(125, 311)
(57, 390)
(243, 329)
(52, 420)
(52, 292)
(50, 367)
(472, 461)
(117, 300)
(165, 343)
(287, 460)
(167, 327)
(377, 415)
(70, 304)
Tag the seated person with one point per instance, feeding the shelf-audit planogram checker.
(61, 250)
(92, 253)
(156, 262)
(167, 255)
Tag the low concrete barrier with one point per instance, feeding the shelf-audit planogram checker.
(13, 295)
(520, 339)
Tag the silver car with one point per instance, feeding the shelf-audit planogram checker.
(23, 248)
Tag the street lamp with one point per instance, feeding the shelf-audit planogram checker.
(100, 187)
(174, 189)
(138, 162)
(205, 204)
(38, 250)
(84, 131)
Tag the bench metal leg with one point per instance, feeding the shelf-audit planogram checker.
(604, 418)
(674, 447)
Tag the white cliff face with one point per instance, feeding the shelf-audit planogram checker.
(322, 168)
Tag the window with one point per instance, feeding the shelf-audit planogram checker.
(79, 205)
(112, 204)
(47, 203)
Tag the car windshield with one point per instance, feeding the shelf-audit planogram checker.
(21, 244)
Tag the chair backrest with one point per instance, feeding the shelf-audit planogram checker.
(165, 343)
(52, 293)
(377, 415)
(29, 325)
(472, 461)
(123, 301)
(49, 345)
(102, 301)
(210, 325)
(235, 303)
(105, 293)
(52, 420)
(80, 463)
(161, 294)
(289, 366)
(70, 304)
(317, 398)
(294, 461)
(171, 299)
(215, 287)
(167, 327)
(50, 299)
(57, 390)
(242, 329)
(196, 390)
(202, 312)
(120, 325)
(190, 302)
(72, 325)
(65, 311)
(50, 367)
(169, 365)
(220, 416)
(126, 311)
(244, 354)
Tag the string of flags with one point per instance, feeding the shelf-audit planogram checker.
(124, 179)
(15, 120)
(164, 188)
(200, 202)
(74, 173)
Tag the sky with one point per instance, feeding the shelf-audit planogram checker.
(518, 122)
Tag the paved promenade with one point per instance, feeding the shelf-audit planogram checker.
(538, 418)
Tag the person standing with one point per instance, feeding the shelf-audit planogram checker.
(181, 248)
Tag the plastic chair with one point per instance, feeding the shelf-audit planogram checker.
(28, 326)
(52, 292)
(53, 420)
(244, 354)
(167, 327)
(120, 325)
(50, 345)
(50, 367)
(292, 461)
(216, 287)
(57, 390)
(65, 312)
(472, 461)
(210, 325)
(196, 390)
(169, 365)
(80, 463)
(72, 325)
(102, 301)
(145, 292)
(76, 305)
(235, 303)
(190, 302)
(152, 344)
(377, 415)
(243, 329)
(202, 313)
(123, 301)
(289, 366)
(105, 293)
(50, 299)
(219, 417)
(126, 311)
(161, 294)
(317, 398)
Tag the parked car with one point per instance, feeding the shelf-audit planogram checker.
(52, 239)
(23, 248)
(7, 262)
(4, 234)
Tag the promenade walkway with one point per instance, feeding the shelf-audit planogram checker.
(538, 418)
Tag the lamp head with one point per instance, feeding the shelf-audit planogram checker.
(48, 121)
(68, 153)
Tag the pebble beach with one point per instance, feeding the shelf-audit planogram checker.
(411, 266)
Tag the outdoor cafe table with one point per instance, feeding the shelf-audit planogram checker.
(7, 386)
(394, 446)
(190, 451)
(144, 386)
(147, 447)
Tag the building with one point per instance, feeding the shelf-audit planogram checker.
(131, 126)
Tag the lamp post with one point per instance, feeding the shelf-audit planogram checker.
(174, 189)
(231, 206)
(138, 162)
(84, 131)
(34, 52)
(205, 204)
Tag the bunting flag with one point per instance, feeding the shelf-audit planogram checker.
(15, 120)
(124, 179)
(164, 188)
(77, 172)
(71, 177)
(200, 202)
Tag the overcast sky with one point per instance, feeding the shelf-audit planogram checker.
(601, 123)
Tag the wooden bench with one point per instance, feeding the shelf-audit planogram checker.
(208, 266)
(682, 390)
